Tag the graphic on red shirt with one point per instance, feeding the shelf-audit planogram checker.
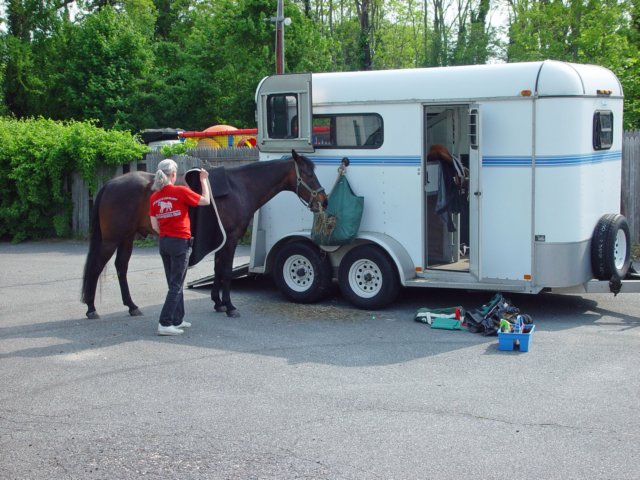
(170, 207)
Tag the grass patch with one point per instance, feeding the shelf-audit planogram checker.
(148, 241)
(246, 238)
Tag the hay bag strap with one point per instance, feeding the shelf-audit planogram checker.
(340, 222)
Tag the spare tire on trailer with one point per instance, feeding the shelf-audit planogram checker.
(611, 247)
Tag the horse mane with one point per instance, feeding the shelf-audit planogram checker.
(306, 161)
(253, 165)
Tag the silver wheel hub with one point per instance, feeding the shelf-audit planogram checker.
(298, 273)
(365, 278)
(620, 249)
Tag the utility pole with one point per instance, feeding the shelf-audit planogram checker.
(280, 22)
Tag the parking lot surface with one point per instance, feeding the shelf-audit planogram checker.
(288, 391)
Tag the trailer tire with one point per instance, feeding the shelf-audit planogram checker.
(611, 247)
(302, 272)
(368, 278)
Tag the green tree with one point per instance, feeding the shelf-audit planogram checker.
(582, 31)
(208, 74)
(476, 39)
(104, 71)
(28, 26)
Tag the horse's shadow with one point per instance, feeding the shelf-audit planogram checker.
(331, 332)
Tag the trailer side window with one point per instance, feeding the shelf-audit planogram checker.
(282, 115)
(602, 129)
(360, 130)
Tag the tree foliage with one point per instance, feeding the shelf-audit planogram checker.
(135, 64)
(582, 31)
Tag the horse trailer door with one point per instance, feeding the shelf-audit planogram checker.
(284, 113)
(475, 194)
(502, 196)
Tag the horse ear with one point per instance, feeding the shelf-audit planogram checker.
(295, 154)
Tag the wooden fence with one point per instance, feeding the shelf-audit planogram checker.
(205, 158)
(630, 202)
(210, 157)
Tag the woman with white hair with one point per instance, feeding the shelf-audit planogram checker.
(169, 212)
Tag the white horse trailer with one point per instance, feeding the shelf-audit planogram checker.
(542, 144)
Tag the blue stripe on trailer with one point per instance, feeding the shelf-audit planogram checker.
(506, 161)
(487, 161)
(408, 161)
(553, 160)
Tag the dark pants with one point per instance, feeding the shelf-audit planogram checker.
(175, 254)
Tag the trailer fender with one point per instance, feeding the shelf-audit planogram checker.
(395, 250)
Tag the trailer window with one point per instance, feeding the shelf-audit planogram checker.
(360, 130)
(282, 116)
(602, 129)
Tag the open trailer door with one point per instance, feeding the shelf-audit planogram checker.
(284, 113)
(475, 194)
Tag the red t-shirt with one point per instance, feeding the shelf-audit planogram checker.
(171, 207)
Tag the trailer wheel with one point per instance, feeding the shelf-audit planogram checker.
(302, 273)
(611, 247)
(368, 278)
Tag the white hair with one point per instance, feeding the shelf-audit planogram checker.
(165, 168)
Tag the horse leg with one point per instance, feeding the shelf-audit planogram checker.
(122, 266)
(226, 297)
(226, 268)
(92, 271)
(98, 257)
(215, 288)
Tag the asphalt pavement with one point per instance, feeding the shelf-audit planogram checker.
(288, 391)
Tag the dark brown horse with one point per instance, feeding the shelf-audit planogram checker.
(121, 211)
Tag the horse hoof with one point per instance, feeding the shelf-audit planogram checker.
(93, 315)
(233, 314)
(136, 312)
(220, 309)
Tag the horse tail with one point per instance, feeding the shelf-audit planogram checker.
(89, 278)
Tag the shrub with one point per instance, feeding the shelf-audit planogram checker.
(37, 160)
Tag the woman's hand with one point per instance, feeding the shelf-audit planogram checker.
(205, 199)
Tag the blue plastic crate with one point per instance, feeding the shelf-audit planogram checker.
(508, 341)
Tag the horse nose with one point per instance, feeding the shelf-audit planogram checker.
(325, 203)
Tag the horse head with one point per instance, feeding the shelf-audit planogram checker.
(308, 187)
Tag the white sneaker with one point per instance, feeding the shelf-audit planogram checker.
(183, 325)
(170, 330)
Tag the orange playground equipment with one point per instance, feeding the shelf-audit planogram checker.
(223, 136)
